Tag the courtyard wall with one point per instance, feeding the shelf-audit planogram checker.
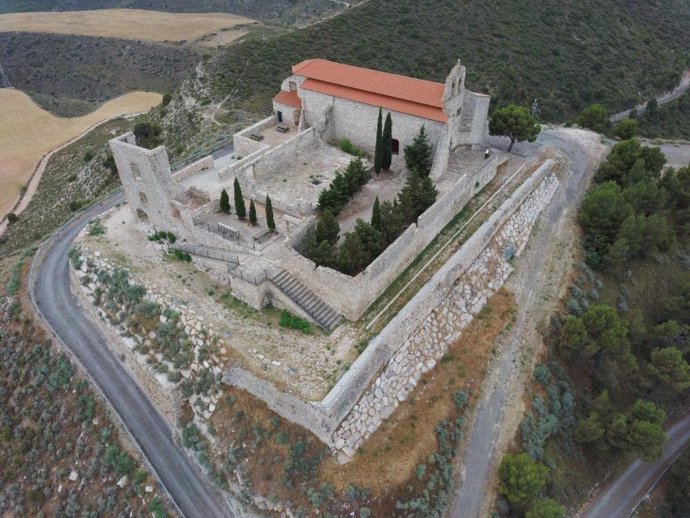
(351, 296)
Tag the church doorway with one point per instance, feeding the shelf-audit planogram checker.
(395, 146)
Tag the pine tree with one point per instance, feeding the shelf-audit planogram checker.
(270, 222)
(419, 155)
(252, 213)
(240, 207)
(376, 215)
(387, 137)
(378, 153)
(224, 202)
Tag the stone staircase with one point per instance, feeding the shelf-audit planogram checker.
(322, 313)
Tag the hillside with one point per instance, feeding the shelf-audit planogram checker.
(89, 69)
(283, 12)
(669, 121)
(567, 57)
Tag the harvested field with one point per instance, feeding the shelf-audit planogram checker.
(132, 24)
(27, 133)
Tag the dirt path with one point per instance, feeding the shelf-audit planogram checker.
(537, 282)
(662, 99)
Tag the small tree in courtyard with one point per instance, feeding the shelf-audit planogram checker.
(514, 122)
(376, 215)
(270, 222)
(224, 201)
(387, 137)
(252, 213)
(419, 155)
(240, 207)
(378, 152)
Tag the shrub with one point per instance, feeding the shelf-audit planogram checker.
(291, 321)
(343, 187)
(178, 255)
(349, 147)
(12, 218)
(161, 236)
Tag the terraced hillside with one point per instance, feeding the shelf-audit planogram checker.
(567, 55)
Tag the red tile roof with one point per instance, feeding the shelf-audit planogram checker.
(394, 92)
(288, 99)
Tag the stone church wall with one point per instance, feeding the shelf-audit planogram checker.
(357, 122)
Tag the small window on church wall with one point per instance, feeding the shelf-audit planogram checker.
(144, 199)
(292, 85)
(459, 111)
(135, 171)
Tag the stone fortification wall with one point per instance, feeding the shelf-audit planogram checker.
(414, 341)
(420, 334)
(244, 145)
(351, 296)
(335, 118)
(195, 167)
(308, 415)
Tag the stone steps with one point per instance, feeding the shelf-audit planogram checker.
(324, 315)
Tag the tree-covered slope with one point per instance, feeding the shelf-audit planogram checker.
(566, 54)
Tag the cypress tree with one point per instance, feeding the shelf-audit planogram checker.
(224, 201)
(378, 153)
(240, 207)
(270, 222)
(387, 137)
(252, 213)
(376, 215)
(419, 156)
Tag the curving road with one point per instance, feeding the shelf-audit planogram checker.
(621, 498)
(474, 485)
(50, 293)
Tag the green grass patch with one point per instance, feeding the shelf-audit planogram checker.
(291, 321)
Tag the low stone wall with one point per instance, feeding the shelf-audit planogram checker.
(195, 167)
(351, 296)
(244, 145)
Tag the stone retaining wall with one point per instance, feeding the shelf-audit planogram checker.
(165, 394)
(420, 334)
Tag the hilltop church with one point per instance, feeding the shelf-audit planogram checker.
(343, 101)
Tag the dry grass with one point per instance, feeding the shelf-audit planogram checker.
(28, 132)
(405, 440)
(133, 24)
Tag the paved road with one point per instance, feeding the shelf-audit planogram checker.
(621, 498)
(479, 464)
(674, 94)
(49, 288)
